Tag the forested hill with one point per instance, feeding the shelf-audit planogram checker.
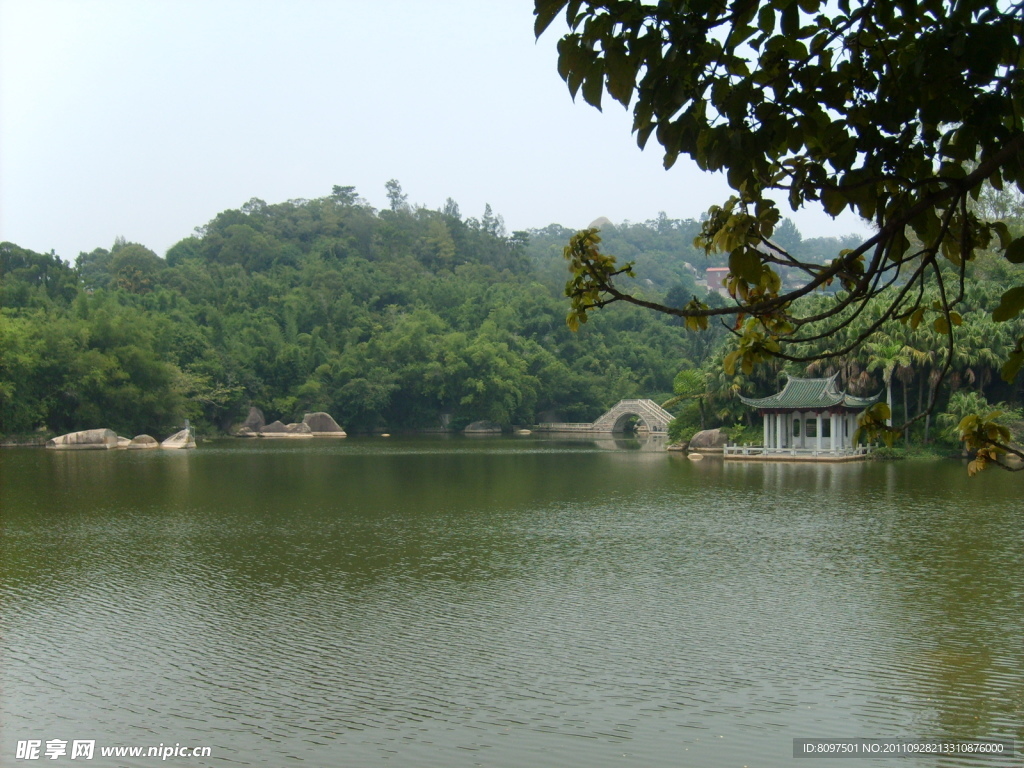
(400, 318)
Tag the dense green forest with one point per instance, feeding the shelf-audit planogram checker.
(406, 318)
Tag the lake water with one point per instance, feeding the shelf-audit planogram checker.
(503, 602)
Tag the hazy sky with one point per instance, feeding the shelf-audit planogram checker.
(145, 118)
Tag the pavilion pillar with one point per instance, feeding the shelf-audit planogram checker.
(778, 431)
(767, 430)
(818, 440)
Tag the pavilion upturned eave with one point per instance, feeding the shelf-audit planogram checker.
(839, 408)
(810, 395)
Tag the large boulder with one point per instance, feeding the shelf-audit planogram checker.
(483, 428)
(278, 429)
(182, 439)
(255, 420)
(708, 441)
(142, 442)
(89, 439)
(323, 425)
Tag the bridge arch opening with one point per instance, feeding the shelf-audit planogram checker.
(630, 422)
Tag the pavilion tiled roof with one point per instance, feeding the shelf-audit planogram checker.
(810, 394)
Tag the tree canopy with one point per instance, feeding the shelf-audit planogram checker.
(902, 111)
(422, 319)
(404, 318)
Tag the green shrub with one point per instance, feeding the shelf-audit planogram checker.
(887, 454)
(743, 435)
(685, 425)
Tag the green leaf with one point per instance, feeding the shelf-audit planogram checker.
(621, 76)
(1015, 251)
(745, 264)
(790, 20)
(1012, 367)
(1010, 305)
(729, 363)
(593, 87)
(834, 201)
(545, 10)
(1004, 233)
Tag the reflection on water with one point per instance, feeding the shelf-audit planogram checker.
(504, 601)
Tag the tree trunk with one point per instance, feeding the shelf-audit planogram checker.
(888, 400)
(928, 416)
(906, 416)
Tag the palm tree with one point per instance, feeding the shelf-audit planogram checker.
(690, 384)
(886, 355)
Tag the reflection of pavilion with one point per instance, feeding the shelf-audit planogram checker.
(809, 419)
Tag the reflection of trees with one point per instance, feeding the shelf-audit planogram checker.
(958, 589)
(930, 587)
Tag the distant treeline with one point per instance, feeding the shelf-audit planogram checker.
(403, 318)
(411, 318)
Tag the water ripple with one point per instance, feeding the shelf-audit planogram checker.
(653, 610)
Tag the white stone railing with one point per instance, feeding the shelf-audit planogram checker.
(759, 450)
(565, 427)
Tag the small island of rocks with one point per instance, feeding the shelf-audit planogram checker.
(317, 424)
(108, 439)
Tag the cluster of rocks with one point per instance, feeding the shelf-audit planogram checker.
(312, 425)
(107, 439)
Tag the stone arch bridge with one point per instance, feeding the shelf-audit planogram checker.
(650, 415)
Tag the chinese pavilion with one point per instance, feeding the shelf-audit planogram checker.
(809, 418)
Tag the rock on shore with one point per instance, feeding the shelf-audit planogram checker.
(482, 428)
(323, 425)
(107, 439)
(140, 442)
(87, 439)
(278, 429)
(182, 439)
(709, 441)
